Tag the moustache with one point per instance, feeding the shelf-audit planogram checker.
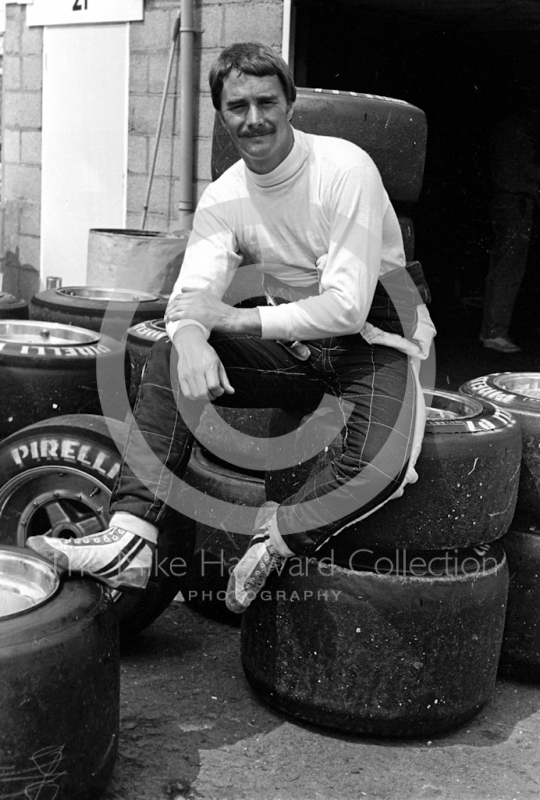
(258, 132)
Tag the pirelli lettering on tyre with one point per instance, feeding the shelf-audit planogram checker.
(66, 450)
(498, 419)
(481, 387)
(50, 351)
(492, 419)
(144, 329)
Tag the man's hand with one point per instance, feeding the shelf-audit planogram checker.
(203, 306)
(201, 374)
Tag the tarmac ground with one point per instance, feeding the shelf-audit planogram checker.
(193, 729)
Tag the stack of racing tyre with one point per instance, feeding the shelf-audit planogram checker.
(396, 628)
(65, 380)
(65, 399)
(519, 394)
(59, 662)
(380, 643)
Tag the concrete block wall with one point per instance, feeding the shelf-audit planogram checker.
(21, 154)
(218, 23)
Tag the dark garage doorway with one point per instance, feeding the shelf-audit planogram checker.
(464, 63)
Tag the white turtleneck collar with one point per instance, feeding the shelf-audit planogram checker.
(288, 168)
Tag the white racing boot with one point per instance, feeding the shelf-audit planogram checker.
(249, 575)
(118, 558)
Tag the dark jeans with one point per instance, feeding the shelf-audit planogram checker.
(366, 391)
(512, 218)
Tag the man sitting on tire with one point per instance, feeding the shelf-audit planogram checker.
(312, 213)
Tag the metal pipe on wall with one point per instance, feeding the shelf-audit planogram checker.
(160, 119)
(187, 37)
(286, 31)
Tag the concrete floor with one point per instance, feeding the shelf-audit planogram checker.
(192, 729)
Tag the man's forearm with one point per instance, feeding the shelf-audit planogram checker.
(203, 307)
(240, 320)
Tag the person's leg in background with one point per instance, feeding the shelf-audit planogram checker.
(512, 218)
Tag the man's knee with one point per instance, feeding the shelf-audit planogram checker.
(160, 367)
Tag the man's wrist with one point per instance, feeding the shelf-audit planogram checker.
(174, 327)
(192, 332)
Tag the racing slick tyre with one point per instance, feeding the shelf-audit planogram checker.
(384, 650)
(520, 654)
(467, 488)
(48, 369)
(462, 498)
(393, 132)
(56, 477)
(59, 682)
(11, 308)
(519, 394)
(93, 307)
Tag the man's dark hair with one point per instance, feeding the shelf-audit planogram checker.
(249, 58)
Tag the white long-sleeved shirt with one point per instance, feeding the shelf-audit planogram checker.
(321, 221)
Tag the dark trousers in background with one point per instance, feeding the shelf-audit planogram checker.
(512, 219)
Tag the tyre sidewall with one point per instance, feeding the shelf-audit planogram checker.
(83, 443)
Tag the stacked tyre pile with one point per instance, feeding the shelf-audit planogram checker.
(12, 308)
(60, 370)
(227, 464)
(401, 635)
(395, 628)
(59, 661)
(97, 308)
(519, 394)
(59, 637)
(50, 369)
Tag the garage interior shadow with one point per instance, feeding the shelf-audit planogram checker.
(465, 69)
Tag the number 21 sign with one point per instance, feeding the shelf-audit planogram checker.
(81, 12)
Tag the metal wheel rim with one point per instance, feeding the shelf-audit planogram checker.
(526, 384)
(107, 294)
(448, 405)
(25, 583)
(55, 334)
(57, 501)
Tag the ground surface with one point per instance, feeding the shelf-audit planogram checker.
(192, 729)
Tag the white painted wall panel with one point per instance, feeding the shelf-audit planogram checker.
(84, 157)
(83, 12)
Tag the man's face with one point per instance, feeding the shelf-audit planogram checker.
(256, 114)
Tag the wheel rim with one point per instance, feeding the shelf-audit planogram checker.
(448, 405)
(45, 333)
(105, 293)
(526, 384)
(25, 583)
(59, 502)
